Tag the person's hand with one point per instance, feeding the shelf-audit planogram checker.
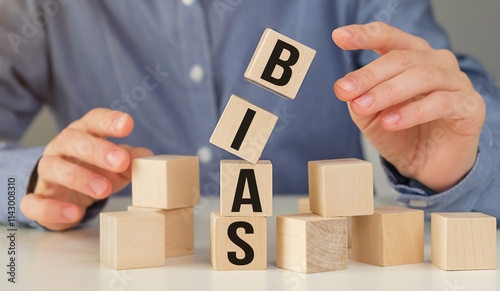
(414, 104)
(79, 166)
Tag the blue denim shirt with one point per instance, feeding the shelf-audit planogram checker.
(172, 65)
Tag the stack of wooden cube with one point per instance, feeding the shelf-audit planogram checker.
(160, 222)
(341, 191)
(246, 201)
(243, 130)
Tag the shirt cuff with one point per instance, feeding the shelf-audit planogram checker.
(461, 197)
(18, 163)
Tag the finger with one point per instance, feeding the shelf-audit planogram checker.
(56, 170)
(89, 149)
(432, 107)
(380, 70)
(413, 82)
(377, 36)
(47, 211)
(120, 180)
(135, 153)
(102, 122)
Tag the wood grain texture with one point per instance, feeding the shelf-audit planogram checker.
(255, 138)
(309, 243)
(166, 181)
(305, 208)
(342, 187)
(391, 236)
(179, 229)
(122, 240)
(220, 244)
(463, 241)
(229, 176)
(261, 57)
(304, 205)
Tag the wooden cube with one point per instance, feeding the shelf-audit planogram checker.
(179, 229)
(304, 205)
(463, 241)
(166, 181)
(246, 189)
(243, 129)
(279, 64)
(391, 236)
(309, 243)
(238, 243)
(341, 187)
(130, 240)
(304, 208)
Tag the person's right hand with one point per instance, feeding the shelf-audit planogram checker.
(79, 166)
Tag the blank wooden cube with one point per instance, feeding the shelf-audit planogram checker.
(238, 243)
(463, 241)
(304, 208)
(391, 236)
(279, 64)
(246, 189)
(309, 243)
(130, 240)
(243, 129)
(341, 187)
(179, 229)
(304, 205)
(166, 181)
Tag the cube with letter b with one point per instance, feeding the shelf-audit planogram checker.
(279, 64)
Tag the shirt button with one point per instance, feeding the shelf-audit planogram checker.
(187, 2)
(205, 154)
(196, 74)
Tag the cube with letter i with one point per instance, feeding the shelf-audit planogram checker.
(243, 129)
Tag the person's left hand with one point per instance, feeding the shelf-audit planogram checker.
(414, 104)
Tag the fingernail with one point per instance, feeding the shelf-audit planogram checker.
(391, 118)
(115, 158)
(364, 101)
(119, 123)
(348, 85)
(70, 213)
(98, 185)
(344, 32)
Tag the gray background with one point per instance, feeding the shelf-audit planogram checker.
(473, 27)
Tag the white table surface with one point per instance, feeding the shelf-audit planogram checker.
(70, 261)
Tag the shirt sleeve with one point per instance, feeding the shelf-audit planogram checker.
(24, 85)
(477, 190)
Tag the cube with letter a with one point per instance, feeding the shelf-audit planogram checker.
(246, 188)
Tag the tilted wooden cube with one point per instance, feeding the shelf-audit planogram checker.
(166, 181)
(309, 243)
(342, 187)
(179, 229)
(243, 129)
(130, 240)
(391, 236)
(238, 243)
(463, 241)
(246, 189)
(279, 64)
